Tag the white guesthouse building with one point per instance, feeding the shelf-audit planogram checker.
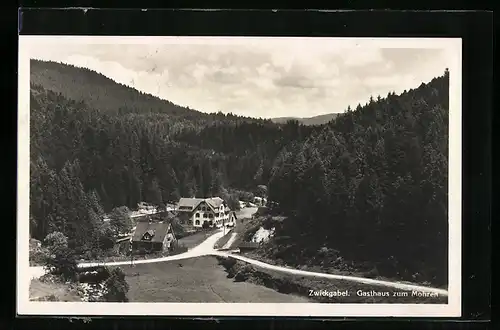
(213, 210)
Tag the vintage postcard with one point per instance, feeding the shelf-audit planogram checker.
(217, 176)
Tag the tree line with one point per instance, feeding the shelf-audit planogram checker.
(85, 162)
(373, 185)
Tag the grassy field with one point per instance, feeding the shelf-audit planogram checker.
(324, 290)
(195, 280)
(46, 291)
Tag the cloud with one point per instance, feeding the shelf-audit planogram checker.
(257, 77)
(358, 57)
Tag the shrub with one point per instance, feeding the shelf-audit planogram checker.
(60, 260)
(227, 263)
(116, 286)
(93, 274)
(55, 240)
(244, 273)
(62, 263)
(38, 256)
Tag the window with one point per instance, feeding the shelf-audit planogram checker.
(148, 235)
(204, 215)
(197, 215)
(197, 222)
(210, 215)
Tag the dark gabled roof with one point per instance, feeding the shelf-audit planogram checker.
(214, 202)
(157, 230)
(189, 202)
(192, 203)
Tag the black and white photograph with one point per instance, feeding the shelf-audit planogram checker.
(239, 176)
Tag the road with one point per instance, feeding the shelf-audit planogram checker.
(203, 249)
(395, 285)
(207, 248)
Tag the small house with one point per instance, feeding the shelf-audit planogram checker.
(153, 237)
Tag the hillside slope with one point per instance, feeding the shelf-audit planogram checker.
(87, 160)
(106, 95)
(370, 188)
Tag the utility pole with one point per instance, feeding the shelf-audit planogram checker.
(131, 254)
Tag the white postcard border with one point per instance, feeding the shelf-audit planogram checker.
(452, 309)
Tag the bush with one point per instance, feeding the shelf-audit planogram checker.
(116, 286)
(59, 259)
(93, 274)
(62, 263)
(244, 273)
(55, 240)
(38, 256)
(227, 263)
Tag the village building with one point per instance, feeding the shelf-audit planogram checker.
(212, 211)
(153, 237)
(231, 222)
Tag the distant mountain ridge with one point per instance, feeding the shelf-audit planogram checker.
(316, 120)
(105, 94)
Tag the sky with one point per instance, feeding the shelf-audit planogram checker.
(257, 77)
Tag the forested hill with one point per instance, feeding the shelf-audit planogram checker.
(104, 94)
(371, 187)
(87, 160)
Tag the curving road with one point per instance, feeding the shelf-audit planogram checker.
(207, 248)
(395, 285)
(203, 249)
